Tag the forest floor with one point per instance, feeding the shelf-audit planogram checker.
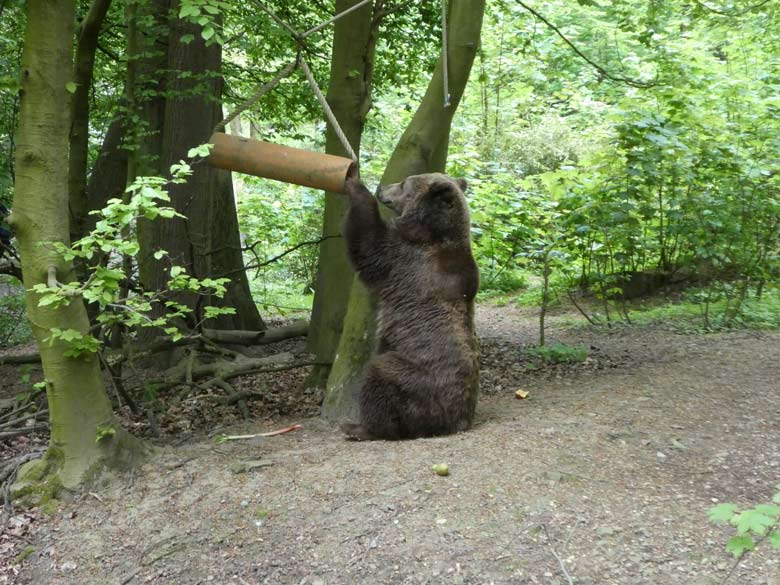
(604, 475)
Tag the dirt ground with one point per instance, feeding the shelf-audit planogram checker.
(610, 467)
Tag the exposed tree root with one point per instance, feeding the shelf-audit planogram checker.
(25, 358)
(295, 329)
(232, 337)
(218, 372)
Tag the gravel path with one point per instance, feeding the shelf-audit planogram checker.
(603, 476)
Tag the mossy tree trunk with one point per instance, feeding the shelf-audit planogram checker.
(349, 95)
(421, 149)
(78, 404)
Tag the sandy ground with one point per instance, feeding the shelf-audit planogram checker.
(610, 468)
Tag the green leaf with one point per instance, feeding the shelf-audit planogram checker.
(740, 544)
(768, 510)
(71, 87)
(774, 539)
(199, 151)
(188, 10)
(722, 512)
(752, 521)
(104, 432)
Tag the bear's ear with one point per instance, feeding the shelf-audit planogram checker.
(439, 188)
(463, 184)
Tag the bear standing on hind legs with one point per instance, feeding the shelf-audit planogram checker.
(423, 378)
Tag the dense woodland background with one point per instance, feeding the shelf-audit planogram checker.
(622, 157)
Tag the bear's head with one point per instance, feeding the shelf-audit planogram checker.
(431, 207)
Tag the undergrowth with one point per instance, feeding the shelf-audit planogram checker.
(14, 328)
(559, 353)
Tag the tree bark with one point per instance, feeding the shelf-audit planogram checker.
(294, 329)
(349, 95)
(79, 107)
(78, 403)
(108, 178)
(421, 149)
(207, 243)
(141, 132)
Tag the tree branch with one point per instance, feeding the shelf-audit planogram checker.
(251, 248)
(583, 56)
(731, 14)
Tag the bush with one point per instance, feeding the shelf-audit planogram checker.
(14, 328)
(501, 281)
(560, 353)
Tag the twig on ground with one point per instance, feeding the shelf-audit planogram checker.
(225, 438)
(234, 395)
(11, 424)
(741, 557)
(580, 309)
(557, 556)
(23, 431)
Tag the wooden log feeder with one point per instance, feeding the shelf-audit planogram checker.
(281, 163)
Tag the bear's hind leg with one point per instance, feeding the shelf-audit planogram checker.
(379, 406)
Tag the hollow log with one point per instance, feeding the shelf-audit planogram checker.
(281, 163)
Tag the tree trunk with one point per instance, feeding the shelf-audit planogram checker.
(141, 131)
(421, 149)
(78, 404)
(108, 178)
(206, 243)
(79, 130)
(349, 95)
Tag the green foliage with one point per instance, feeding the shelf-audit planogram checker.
(205, 14)
(494, 281)
(14, 328)
(753, 526)
(686, 314)
(104, 432)
(587, 182)
(559, 353)
(276, 218)
(577, 178)
(105, 252)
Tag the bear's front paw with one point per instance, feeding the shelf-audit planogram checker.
(355, 188)
(355, 432)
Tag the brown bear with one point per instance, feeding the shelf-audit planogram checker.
(423, 378)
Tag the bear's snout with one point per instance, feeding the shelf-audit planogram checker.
(381, 195)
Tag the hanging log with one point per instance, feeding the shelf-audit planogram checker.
(281, 163)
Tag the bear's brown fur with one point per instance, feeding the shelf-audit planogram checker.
(423, 378)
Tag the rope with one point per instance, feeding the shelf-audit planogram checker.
(319, 27)
(278, 20)
(301, 62)
(334, 123)
(445, 68)
(289, 68)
